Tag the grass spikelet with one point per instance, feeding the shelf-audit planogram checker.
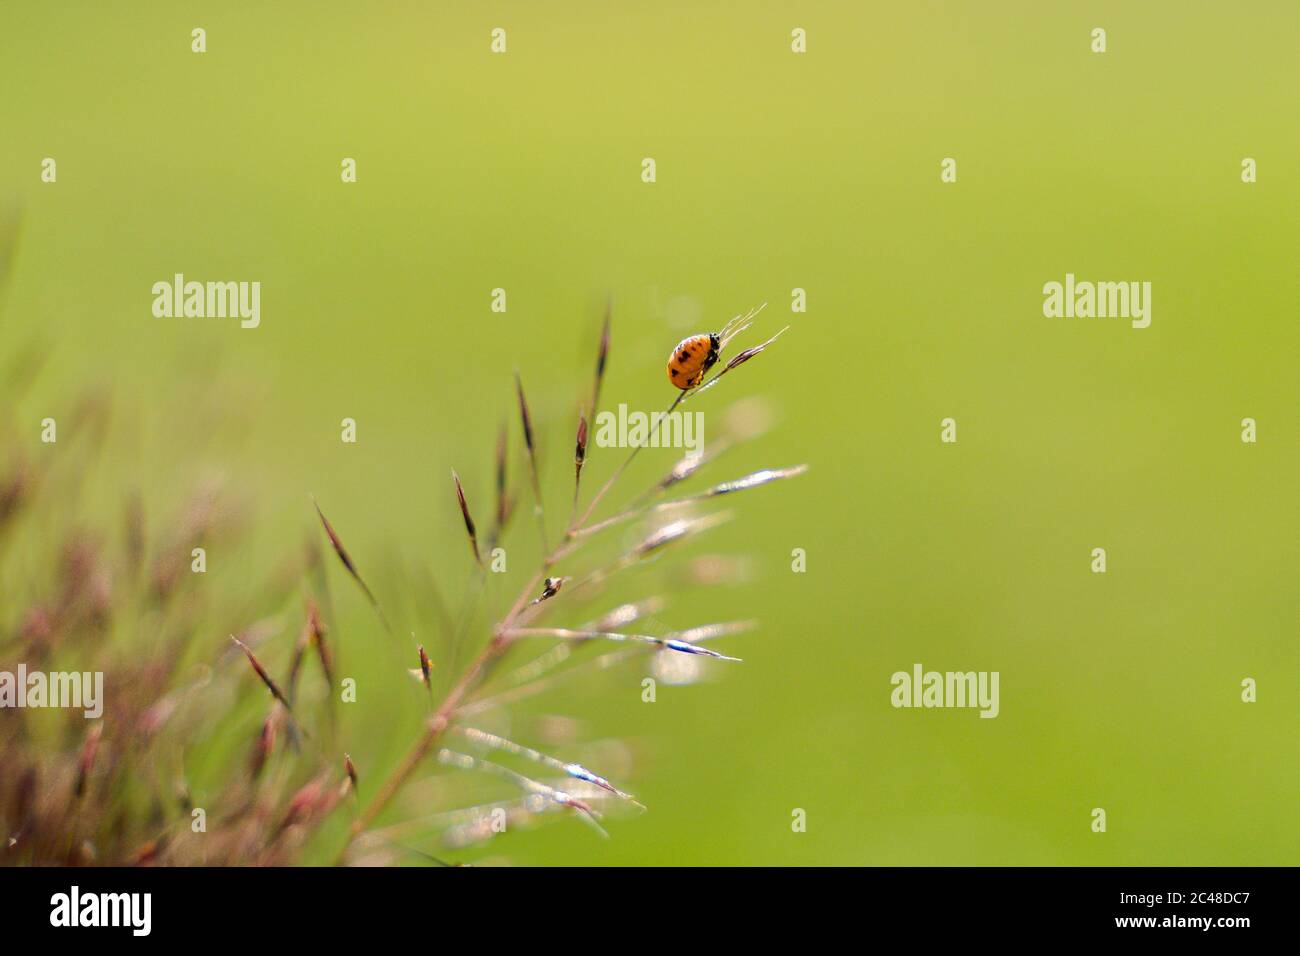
(526, 421)
(263, 746)
(537, 677)
(687, 466)
(620, 617)
(579, 456)
(312, 634)
(677, 530)
(316, 627)
(350, 567)
(738, 360)
(426, 669)
(629, 613)
(469, 521)
(753, 480)
(503, 498)
(550, 588)
(267, 679)
(602, 358)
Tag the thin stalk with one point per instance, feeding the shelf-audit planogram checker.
(623, 467)
(441, 719)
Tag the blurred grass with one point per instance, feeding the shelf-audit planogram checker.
(775, 171)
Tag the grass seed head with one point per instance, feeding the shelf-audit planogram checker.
(602, 359)
(469, 521)
(426, 667)
(349, 565)
(580, 451)
(171, 701)
(267, 679)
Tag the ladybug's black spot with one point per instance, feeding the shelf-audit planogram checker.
(684, 356)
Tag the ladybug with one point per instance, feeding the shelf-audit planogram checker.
(692, 358)
(696, 354)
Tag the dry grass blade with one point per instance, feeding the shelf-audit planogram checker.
(469, 521)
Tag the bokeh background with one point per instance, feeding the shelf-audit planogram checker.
(775, 171)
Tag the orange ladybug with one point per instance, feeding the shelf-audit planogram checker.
(696, 354)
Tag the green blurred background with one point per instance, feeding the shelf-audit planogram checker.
(775, 171)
